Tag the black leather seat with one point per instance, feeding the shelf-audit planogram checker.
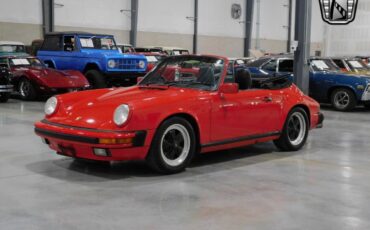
(244, 79)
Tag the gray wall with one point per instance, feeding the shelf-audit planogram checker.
(160, 22)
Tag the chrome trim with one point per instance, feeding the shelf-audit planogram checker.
(6, 88)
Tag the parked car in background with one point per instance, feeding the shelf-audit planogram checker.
(126, 48)
(148, 50)
(171, 51)
(11, 47)
(31, 78)
(5, 86)
(181, 108)
(365, 60)
(351, 65)
(95, 55)
(34, 47)
(327, 83)
(153, 59)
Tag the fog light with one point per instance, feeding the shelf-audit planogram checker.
(101, 152)
(113, 141)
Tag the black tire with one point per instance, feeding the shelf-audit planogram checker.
(26, 90)
(96, 79)
(285, 142)
(343, 99)
(4, 97)
(162, 156)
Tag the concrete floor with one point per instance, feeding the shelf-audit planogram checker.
(324, 186)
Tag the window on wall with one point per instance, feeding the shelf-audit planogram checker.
(52, 43)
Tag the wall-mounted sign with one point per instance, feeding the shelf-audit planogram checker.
(236, 11)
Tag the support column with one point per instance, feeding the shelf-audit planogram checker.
(303, 36)
(195, 35)
(134, 16)
(289, 42)
(47, 16)
(249, 7)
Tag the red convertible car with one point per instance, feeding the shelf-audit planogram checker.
(186, 105)
(31, 78)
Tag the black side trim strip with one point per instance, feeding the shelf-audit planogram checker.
(81, 128)
(67, 136)
(240, 139)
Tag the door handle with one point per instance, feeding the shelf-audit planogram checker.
(267, 99)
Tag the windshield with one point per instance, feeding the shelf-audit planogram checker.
(323, 65)
(12, 48)
(24, 61)
(100, 43)
(186, 72)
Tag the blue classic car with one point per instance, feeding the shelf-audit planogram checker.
(95, 55)
(327, 83)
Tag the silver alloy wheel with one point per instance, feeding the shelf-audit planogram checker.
(297, 128)
(24, 88)
(341, 99)
(175, 145)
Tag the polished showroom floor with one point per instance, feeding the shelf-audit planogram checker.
(324, 186)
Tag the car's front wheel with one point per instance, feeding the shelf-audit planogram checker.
(4, 97)
(343, 99)
(295, 131)
(96, 79)
(173, 146)
(26, 90)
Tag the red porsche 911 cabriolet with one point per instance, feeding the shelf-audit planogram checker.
(186, 105)
(31, 78)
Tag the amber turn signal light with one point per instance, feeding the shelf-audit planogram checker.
(113, 141)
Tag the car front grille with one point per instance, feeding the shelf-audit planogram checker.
(128, 64)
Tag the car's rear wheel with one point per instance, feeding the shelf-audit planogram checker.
(26, 90)
(295, 131)
(4, 97)
(96, 79)
(173, 146)
(343, 99)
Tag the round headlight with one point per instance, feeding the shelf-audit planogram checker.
(111, 64)
(121, 114)
(51, 106)
(141, 64)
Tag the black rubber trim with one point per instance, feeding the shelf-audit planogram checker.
(240, 139)
(139, 138)
(81, 128)
(321, 120)
(68, 137)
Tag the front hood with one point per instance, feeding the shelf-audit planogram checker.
(94, 109)
(56, 79)
(112, 54)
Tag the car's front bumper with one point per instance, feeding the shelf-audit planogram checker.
(366, 95)
(83, 142)
(6, 88)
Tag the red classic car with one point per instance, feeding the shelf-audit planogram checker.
(186, 105)
(32, 78)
